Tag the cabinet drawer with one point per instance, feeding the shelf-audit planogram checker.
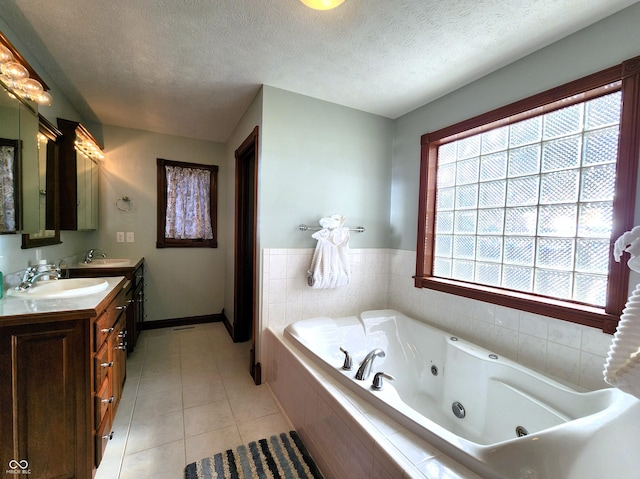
(105, 323)
(103, 400)
(138, 277)
(104, 434)
(102, 328)
(103, 365)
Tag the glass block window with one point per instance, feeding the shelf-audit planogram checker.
(527, 206)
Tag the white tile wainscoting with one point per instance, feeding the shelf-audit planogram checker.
(382, 278)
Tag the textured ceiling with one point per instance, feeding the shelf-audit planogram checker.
(192, 67)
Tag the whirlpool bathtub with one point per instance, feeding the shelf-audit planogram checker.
(491, 414)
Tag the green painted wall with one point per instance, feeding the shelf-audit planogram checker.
(318, 159)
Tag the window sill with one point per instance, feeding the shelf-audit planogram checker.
(565, 310)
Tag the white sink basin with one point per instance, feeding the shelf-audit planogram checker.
(62, 288)
(105, 263)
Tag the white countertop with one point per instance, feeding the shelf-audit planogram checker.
(16, 306)
(98, 263)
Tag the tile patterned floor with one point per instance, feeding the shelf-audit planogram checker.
(188, 395)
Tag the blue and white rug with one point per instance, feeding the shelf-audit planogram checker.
(280, 457)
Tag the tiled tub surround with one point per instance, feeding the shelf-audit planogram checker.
(286, 297)
(501, 399)
(382, 278)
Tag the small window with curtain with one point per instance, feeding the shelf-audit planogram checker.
(187, 205)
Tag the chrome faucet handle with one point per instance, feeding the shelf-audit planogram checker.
(63, 269)
(348, 362)
(378, 384)
(28, 273)
(88, 256)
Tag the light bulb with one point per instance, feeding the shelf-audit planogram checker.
(14, 70)
(43, 98)
(322, 4)
(31, 86)
(5, 54)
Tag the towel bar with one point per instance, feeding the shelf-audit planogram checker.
(359, 229)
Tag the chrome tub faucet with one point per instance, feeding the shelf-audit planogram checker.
(365, 366)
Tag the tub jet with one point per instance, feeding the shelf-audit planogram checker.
(458, 410)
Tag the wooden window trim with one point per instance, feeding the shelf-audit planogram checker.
(628, 73)
(161, 241)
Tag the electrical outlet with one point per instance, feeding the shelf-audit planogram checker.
(130, 237)
(120, 236)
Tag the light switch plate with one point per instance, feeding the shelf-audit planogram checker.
(120, 236)
(130, 237)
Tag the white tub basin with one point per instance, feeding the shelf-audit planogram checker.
(62, 288)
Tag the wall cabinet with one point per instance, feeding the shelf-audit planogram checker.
(61, 376)
(79, 177)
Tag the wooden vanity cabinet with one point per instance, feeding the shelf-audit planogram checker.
(110, 355)
(52, 417)
(45, 398)
(136, 301)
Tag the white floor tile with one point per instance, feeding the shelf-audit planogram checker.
(188, 395)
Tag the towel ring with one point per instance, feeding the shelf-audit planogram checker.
(124, 204)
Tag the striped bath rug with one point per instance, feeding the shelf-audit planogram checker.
(281, 456)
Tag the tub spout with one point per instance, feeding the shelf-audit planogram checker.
(365, 366)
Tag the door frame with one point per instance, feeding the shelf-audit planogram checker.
(246, 223)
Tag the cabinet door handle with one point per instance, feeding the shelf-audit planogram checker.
(131, 301)
(122, 334)
(121, 346)
(121, 308)
(108, 436)
(108, 400)
(106, 330)
(107, 365)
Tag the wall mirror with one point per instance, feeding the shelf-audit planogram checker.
(49, 207)
(10, 171)
(23, 156)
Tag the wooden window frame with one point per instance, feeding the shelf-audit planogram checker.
(161, 241)
(628, 73)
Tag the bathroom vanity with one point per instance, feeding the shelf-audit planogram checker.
(62, 369)
(133, 270)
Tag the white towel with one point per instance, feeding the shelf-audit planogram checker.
(330, 263)
(622, 367)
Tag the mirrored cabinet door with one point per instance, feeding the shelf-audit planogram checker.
(10, 179)
(30, 170)
(79, 177)
(48, 226)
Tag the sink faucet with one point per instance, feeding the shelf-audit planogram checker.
(32, 274)
(91, 253)
(365, 366)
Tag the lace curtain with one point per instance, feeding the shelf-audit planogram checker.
(188, 210)
(7, 191)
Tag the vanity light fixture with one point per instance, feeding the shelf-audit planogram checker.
(88, 147)
(322, 4)
(15, 71)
